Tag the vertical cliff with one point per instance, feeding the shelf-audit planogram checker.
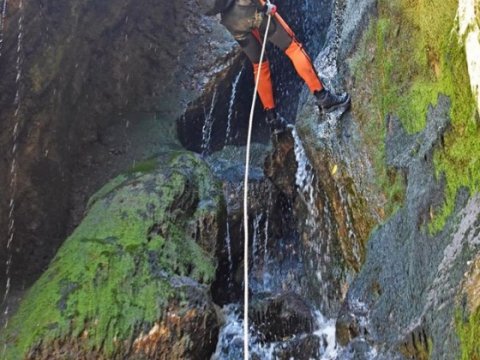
(90, 88)
(409, 150)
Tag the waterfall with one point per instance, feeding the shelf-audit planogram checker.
(208, 125)
(305, 180)
(265, 275)
(3, 16)
(230, 339)
(13, 167)
(319, 226)
(231, 105)
(256, 242)
(228, 243)
(326, 332)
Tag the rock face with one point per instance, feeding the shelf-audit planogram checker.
(398, 174)
(401, 296)
(133, 280)
(373, 217)
(282, 316)
(100, 86)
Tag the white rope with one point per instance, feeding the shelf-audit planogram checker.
(245, 202)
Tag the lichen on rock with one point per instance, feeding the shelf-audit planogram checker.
(143, 255)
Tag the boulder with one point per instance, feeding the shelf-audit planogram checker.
(132, 281)
(303, 348)
(280, 316)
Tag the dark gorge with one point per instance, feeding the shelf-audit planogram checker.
(123, 130)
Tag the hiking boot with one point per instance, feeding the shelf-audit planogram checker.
(277, 124)
(328, 102)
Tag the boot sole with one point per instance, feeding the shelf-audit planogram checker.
(344, 105)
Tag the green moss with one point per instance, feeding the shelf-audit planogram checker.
(371, 74)
(144, 167)
(112, 275)
(106, 189)
(418, 56)
(468, 330)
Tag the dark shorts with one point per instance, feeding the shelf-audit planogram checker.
(245, 22)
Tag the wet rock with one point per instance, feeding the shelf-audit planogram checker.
(398, 295)
(132, 282)
(281, 316)
(101, 87)
(280, 166)
(303, 348)
(333, 215)
(351, 323)
(274, 249)
(346, 328)
(471, 283)
(416, 345)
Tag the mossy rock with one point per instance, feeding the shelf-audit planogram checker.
(134, 275)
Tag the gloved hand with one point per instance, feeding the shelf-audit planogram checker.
(269, 8)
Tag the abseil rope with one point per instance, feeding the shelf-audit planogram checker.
(245, 201)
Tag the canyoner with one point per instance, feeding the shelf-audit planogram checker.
(252, 23)
(246, 20)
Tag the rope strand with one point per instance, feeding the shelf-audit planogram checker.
(245, 202)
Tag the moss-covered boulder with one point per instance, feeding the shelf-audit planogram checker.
(132, 281)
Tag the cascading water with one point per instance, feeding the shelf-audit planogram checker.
(305, 180)
(349, 223)
(126, 59)
(3, 17)
(208, 125)
(256, 241)
(231, 104)
(14, 166)
(276, 273)
(230, 342)
(265, 244)
(228, 243)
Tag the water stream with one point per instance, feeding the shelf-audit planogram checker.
(230, 343)
(318, 225)
(231, 104)
(208, 125)
(13, 173)
(228, 243)
(3, 17)
(256, 240)
(279, 273)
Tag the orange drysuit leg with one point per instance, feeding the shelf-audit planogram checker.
(284, 38)
(265, 89)
(303, 65)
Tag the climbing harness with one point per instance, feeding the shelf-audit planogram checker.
(245, 200)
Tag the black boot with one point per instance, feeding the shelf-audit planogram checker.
(277, 124)
(328, 102)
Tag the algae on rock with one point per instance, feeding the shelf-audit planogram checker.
(143, 255)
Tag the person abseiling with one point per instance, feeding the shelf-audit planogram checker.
(246, 20)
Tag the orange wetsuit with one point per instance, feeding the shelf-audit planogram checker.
(247, 25)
